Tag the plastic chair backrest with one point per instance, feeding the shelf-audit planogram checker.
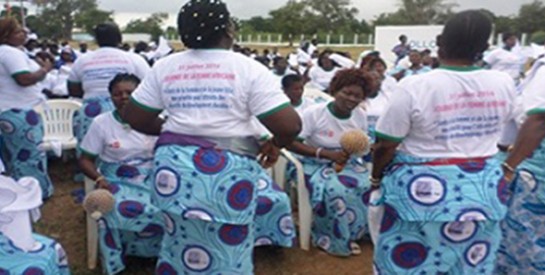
(57, 116)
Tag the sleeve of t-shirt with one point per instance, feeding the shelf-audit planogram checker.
(534, 93)
(74, 75)
(93, 142)
(395, 123)
(142, 67)
(266, 96)
(16, 63)
(491, 58)
(148, 94)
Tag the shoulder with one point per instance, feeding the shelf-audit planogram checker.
(104, 119)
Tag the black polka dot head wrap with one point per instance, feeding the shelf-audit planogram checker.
(202, 23)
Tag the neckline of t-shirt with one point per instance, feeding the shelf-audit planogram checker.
(298, 103)
(460, 68)
(332, 111)
(118, 118)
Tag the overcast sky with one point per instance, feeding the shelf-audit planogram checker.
(125, 10)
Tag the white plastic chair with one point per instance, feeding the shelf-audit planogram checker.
(303, 200)
(57, 116)
(92, 231)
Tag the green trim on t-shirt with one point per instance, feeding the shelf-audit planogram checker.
(274, 110)
(332, 111)
(460, 68)
(300, 139)
(298, 103)
(73, 82)
(536, 111)
(143, 106)
(388, 137)
(19, 73)
(87, 153)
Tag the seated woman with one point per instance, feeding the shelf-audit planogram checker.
(21, 251)
(338, 200)
(125, 159)
(416, 68)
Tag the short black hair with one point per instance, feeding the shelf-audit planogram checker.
(202, 24)
(288, 80)
(323, 54)
(506, 35)
(123, 78)
(377, 60)
(465, 36)
(277, 59)
(107, 35)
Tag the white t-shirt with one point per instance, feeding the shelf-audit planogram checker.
(96, 69)
(112, 141)
(320, 78)
(504, 61)
(321, 128)
(280, 77)
(449, 114)
(305, 103)
(210, 93)
(14, 61)
(533, 95)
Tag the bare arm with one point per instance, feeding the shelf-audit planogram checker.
(75, 89)
(530, 137)
(88, 167)
(141, 120)
(285, 125)
(310, 151)
(383, 154)
(29, 79)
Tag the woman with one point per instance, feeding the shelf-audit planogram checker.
(338, 200)
(21, 127)
(442, 187)
(92, 73)
(320, 76)
(125, 160)
(205, 167)
(506, 59)
(416, 68)
(523, 227)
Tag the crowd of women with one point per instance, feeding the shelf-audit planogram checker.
(456, 164)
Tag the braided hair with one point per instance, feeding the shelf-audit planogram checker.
(465, 36)
(203, 23)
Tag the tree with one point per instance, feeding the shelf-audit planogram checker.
(417, 12)
(531, 17)
(151, 25)
(14, 11)
(290, 19)
(62, 15)
(88, 19)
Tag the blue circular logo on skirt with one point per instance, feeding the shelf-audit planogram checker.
(409, 255)
(240, 195)
(210, 161)
(130, 209)
(233, 234)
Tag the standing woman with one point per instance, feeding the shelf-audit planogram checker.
(92, 73)
(338, 199)
(443, 189)
(205, 165)
(523, 227)
(21, 127)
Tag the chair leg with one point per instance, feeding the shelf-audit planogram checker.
(92, 233)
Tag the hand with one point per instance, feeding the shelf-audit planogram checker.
(508, 175)
(340, 157)
(269, 154)
(45, 64)
(102, 184)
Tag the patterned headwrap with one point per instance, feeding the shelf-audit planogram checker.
(202, 22)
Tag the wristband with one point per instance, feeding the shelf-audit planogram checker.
(99, 179)
(508, 167)
(318, 151)
(374, 181)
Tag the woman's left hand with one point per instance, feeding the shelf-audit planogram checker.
(269, 154)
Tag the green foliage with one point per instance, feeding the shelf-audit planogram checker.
(15, 11)
(531, 17)
(57, 18)
(150, 25)
(538, 37)
(417, 12)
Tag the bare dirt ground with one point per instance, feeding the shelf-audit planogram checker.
(64, 220)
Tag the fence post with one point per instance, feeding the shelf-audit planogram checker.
(341, 39)
(240, 38)
(328, 39)
(280, 39)
(371, 38)
(249, 38)
(356, 39)
(269, 38)
(259, 38)
(524, 39)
